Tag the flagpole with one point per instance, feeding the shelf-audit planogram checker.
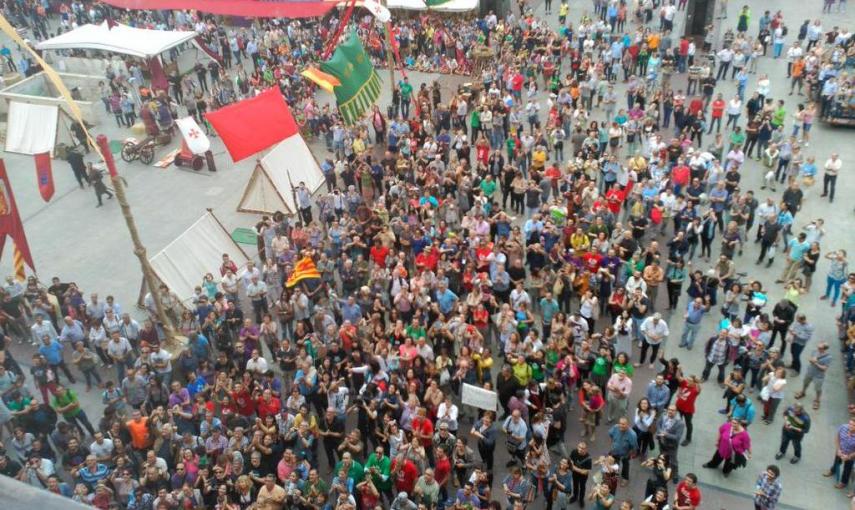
(390, 58)
(151, 279)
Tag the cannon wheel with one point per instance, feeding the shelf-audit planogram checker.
(147, 154)
(197, 163)
(129, 151)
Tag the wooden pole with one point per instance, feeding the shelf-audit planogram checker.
(390, 57)
(151, 279)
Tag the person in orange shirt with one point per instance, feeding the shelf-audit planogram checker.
(138, 429)
(797, 74)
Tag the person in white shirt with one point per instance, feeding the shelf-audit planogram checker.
(447, 413)
(654, 330)
(733, 110)
(257, 364)
(829, 179)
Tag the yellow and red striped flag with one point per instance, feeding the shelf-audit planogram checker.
(18, 263)
(323, 80)
(304, 269)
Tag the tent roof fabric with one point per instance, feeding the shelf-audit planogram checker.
(31, 128)
(292, 158)
(419, 5)
(197, 251)
(137, 42)
(269, 188)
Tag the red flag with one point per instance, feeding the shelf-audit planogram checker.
(44, 175)
(111, 23)
(10, 220)
(254, 124)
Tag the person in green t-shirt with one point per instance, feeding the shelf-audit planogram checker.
(66, 403)
(488, 186)
(378, 467)
(602, 367)
(406, 94)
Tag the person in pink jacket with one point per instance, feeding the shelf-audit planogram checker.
(733, 447)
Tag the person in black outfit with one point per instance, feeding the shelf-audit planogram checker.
(332, 431)
(75, 159)
(581, 464)
(783, 316)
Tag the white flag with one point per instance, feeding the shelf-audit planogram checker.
(197, 140)
(380, 12)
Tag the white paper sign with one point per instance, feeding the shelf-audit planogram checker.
(480, 398)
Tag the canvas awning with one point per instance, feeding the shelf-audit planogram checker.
(197, 251)
(137, 42)
(419, 5)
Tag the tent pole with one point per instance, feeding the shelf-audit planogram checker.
(390, 58)
(139, 250)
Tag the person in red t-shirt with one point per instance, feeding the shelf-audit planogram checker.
(405, 473)
(690, 388)
(717, 113)
(243, 400)
(423, 428)
(442, 471)
(688, 495)
(267, 405)
(379, 253)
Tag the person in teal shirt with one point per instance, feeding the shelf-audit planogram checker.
(406, 94)
(488, 186)
(548, 309)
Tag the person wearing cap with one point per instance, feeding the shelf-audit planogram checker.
(818, 363)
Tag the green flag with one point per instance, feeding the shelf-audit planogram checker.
(360, 84)
(435, 3)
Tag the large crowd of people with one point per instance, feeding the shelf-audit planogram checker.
(628, 211)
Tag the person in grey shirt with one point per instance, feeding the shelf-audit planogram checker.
(800, 333)
(133, 386)
(819, 361)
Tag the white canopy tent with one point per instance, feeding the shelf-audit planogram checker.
(123, 39)
(269, 188)
(199, 250)
(419, 5)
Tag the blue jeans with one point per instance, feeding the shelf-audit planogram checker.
(690, 332)
(833, 286)
(776, 49)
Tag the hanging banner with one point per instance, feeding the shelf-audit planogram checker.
(10, 220)
(44, 175)
(360, 85)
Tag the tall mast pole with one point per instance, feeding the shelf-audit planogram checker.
(151, 279)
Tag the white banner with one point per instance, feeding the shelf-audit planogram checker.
(480, 398)
(197, 140)
(378, 10)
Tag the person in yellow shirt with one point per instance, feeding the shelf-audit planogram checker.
(579, 241)
(563, 10)
(538, 159)
(358, 146)
(483, 364)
